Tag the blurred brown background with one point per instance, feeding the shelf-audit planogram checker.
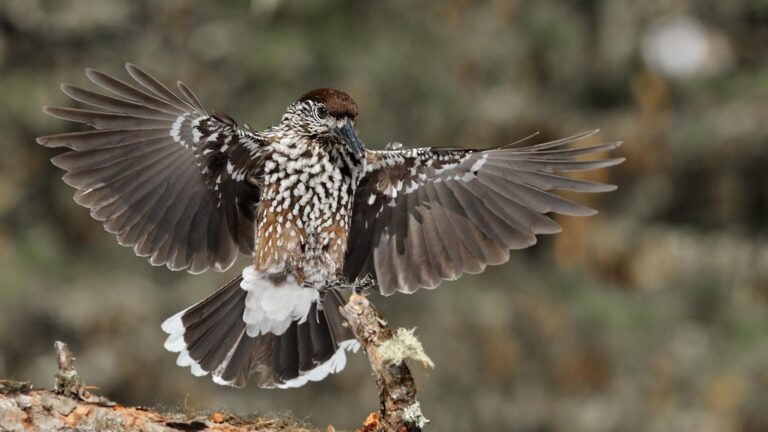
(652, 316)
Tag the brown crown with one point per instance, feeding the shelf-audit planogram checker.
(338, 103)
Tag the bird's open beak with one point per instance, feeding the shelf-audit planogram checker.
(354, 144)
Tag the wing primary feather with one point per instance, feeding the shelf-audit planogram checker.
(124, 193)
(416, 257)
(156, 87)
(517, 215)
(165, 217)
(111, 103)
(146, 221)
(104, 120)
(198, 237)
(442, 265)
(191, 98)
(91, 160)
(486, 228)
(455, 247)
(477, 212)
(537, 199)
(381, 249)
(165, 252)
(99, 176)
(398, 229)
(181, 258)
(99, 139)
(561, 153)
(121, 190)
(522, 225)
(472, 237)
(521, 140)
(127, 91)
(546, 181)
(562, 141)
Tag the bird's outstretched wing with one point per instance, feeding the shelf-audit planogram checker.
(178, 185)
(427, 214)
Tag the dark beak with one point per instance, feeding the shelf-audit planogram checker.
(354, 144)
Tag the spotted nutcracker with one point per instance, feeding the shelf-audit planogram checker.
(315, 209)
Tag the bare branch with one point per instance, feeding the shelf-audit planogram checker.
(71, 407)
(399, 410)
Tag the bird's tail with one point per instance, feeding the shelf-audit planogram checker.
(256, 324)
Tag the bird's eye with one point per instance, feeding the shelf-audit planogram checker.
(322, 112)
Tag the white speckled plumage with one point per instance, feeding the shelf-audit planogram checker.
(314, 208)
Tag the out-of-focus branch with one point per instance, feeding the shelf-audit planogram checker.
(399, 410)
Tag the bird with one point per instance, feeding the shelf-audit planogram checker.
(317, 212)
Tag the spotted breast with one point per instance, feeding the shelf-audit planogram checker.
(305, 210)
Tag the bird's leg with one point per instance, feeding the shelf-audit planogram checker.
(322, 289)
(339, 282)
(327, 285)
(320, 304)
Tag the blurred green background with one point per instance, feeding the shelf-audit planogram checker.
(651, 316)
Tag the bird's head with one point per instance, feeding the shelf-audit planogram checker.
(329, 114)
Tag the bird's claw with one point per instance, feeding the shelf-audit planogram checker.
(364, 283)
(359, 284)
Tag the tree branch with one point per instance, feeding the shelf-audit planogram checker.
(399, 409)
(70, 405)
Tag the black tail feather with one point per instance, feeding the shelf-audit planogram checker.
(211, 337)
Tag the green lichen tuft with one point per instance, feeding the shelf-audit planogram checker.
(404, 345)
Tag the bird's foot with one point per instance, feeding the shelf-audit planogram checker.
(339, 282)
(364, 283)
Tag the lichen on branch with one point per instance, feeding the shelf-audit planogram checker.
(399, 407)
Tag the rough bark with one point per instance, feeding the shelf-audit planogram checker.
(399, 408)
(71, 407)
